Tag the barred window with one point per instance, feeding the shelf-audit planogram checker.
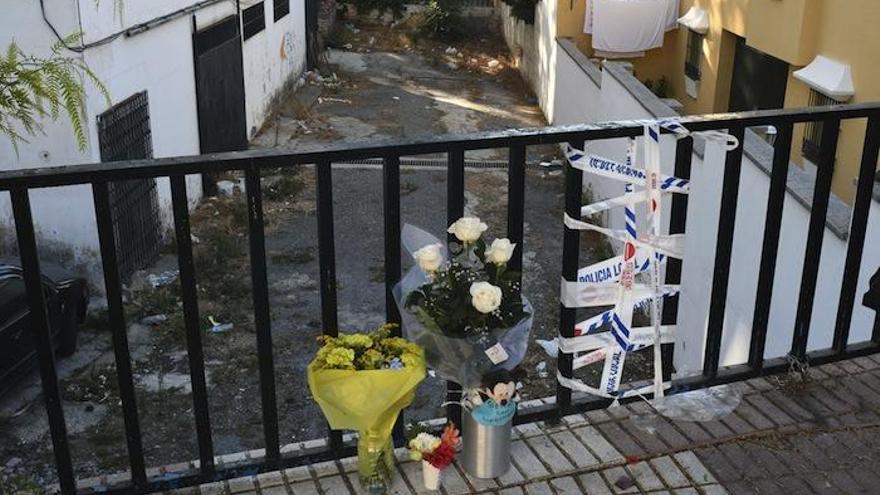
(694, 54)
(253, 20)
(813, 130)
(281, 8)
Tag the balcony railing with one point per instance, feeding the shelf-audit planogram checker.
(253, 163)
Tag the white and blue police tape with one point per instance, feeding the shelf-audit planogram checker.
(668, 245)
(653, 186)
(579, 386)
(639, 336)
(587, 295)
(609, 270)
(620, 171)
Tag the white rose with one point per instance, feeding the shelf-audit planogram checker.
(429, 257)
(500, 251)
(485, 297)
(467, 229)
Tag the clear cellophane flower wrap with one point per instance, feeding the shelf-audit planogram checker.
(369, 402)
(459, 359)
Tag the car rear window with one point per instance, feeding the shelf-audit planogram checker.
(13, 298)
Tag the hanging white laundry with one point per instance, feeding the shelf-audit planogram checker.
(672, 14)
(629, 26)
(588, 17)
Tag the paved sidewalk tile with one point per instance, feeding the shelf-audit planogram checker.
(820, 436)
(565, 486)
(694, 468)
(594, 484)
(644, 476)
(669, 471)
(574, 449)
(523, 457)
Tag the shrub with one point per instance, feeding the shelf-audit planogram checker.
(441, 19)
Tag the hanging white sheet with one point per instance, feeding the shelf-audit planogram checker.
(629, 26)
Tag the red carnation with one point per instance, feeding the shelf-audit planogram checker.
(441, 457)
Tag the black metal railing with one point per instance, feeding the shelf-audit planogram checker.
(252, 163)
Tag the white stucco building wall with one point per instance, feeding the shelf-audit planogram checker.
(534, 47)
(619, 96)
(158, 60)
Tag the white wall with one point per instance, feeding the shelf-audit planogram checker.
(59, 213)
(266, 72)
(580, 100)
(748, 234)
(159, 61)
(537, 44)
(577, 94)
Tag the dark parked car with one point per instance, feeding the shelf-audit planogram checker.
(67, 298)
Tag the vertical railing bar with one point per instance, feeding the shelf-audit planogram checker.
(813, 254)
(770, 245)
(723, 247)
(391, 196)
(516, 194)
(30, 262)
(857, 230)
(570, 259)
(262, 315)
(116, 316)
(454, 211)
(391, 199)
(194, 348)
(327, 264)
(684, 153)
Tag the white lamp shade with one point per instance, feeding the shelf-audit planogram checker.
(829, 77)
(695, 19)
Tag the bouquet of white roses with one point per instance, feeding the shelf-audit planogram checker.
(468, 311)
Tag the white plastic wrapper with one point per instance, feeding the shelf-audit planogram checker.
(462, 360)
(708, 404)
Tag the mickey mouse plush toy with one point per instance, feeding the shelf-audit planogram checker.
(498, 387)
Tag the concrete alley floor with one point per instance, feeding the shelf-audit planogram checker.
(373, 96)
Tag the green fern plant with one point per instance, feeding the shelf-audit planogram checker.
(34, 88)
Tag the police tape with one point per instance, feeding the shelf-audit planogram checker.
(579, 386)
(609, 270)
(668, 245)
(639, 336)
(612, 281)
(625, 200)
(652, 185)
(586, 295)
(621, 171)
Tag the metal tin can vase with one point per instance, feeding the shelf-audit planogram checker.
(485, 447)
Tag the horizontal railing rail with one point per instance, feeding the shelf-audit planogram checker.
(252, 163)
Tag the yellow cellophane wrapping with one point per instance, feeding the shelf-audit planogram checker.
(368, 401)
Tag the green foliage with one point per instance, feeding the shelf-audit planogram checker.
(33, 88)
(441, 19)
(19, 485)
(523, 10)
(444, 303)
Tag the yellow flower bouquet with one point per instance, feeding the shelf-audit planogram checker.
(362, 382)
